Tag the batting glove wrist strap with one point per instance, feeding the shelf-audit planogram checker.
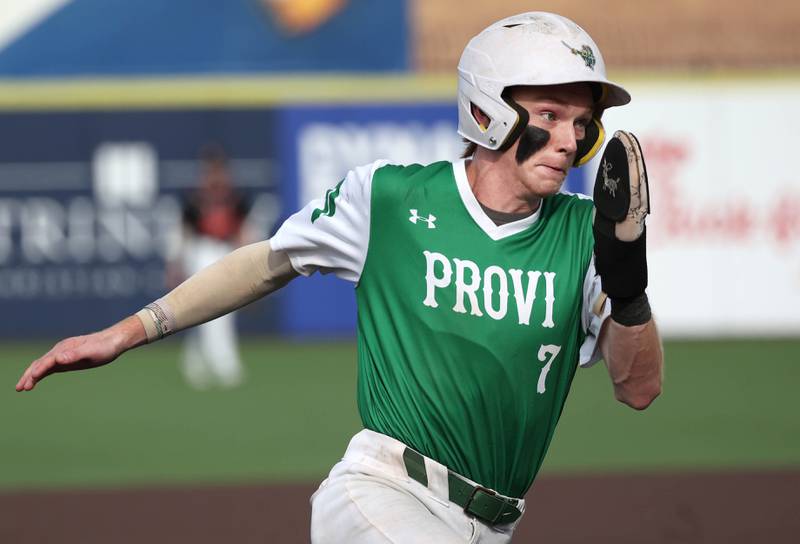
(631, 311)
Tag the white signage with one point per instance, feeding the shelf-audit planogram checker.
(327, 151)
(724, 234)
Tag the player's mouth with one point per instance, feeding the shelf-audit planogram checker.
(554, 169)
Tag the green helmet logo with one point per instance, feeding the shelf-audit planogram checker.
(585, 52)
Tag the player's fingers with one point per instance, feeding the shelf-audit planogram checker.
(28, 379)
(23, 380)
(35, 364)
(63, 357)
(43, 367)
(58, 358)
(30, 383)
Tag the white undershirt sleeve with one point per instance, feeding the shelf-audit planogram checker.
(331, 233)
(596, 310)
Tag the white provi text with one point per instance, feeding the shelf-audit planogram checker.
(475, 289)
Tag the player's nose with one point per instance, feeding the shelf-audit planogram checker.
(566, 138)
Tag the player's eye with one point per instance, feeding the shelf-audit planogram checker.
(548, 116)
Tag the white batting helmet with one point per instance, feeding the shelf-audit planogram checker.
(535, 48)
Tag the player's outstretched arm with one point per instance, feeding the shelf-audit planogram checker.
(245, 275)
(629, 341)
(82, 352)
(241, 277)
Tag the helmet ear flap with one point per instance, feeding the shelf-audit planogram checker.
(591, 143)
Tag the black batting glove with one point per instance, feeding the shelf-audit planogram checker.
(622, 201)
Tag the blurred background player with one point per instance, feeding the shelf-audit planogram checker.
(214, 224)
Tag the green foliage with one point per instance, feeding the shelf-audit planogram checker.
(726, 404)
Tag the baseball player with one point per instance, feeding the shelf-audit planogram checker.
(480, 287)
(214, 223)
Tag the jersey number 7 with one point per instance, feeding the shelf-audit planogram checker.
(547, 352)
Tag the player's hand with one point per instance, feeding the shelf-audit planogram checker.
(76, 353)
(622, 202)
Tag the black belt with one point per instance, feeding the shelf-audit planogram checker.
(482, 503)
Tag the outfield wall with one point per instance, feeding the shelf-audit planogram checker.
(91, 175)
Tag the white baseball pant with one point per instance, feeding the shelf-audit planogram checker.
(211, 351)
(368, 498)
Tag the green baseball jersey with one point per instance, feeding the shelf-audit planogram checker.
(469, 333)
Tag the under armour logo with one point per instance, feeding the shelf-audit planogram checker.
(430, 220)
(609, 184)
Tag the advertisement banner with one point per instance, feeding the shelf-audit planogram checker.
(91, 207)
(724, 234)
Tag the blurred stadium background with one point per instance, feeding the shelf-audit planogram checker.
(104, 106)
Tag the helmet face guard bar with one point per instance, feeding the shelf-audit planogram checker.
(523, 119)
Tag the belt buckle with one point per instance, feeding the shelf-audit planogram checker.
(487, 491)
